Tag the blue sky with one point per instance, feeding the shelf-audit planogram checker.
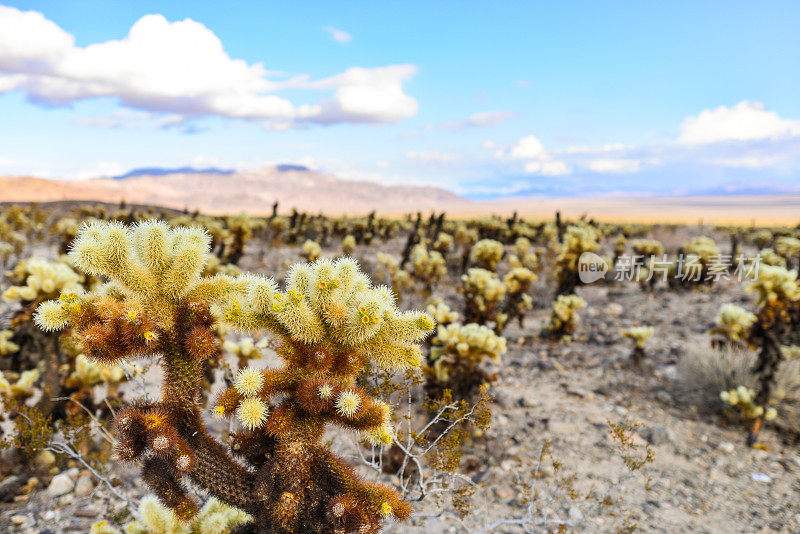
(484, 98)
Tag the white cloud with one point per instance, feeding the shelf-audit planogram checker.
(340, 36)
(528, 147)
(746, 162)
(478, 120)
(432, 156)
(537, 159)
(612, 147)
(615, 166)
(548, 168)
(743, 122)
(102, 169)
(181, 68)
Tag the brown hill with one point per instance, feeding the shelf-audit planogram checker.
(251, 191)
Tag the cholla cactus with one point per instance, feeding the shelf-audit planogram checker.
(399, 278)
(789, 248)
(21, 388)
(427, 266)
(744, 400)
(577, 240)
(487, 253)
(639, 335)
(332, 323)
(483, 294)
(777, 324)
(89, 373)
(767, 256)
(245, 349)
(6, 345)
(564, 318)
(214, 518)
(732, 327)
(215, 266)
(523, 255)
(311, 250)
(456, 354)
(239, 230)
(348, 245)
(441, 312)
(518, 282)
(40, 279)
(443, 243)
(775, 285)
(647, 247)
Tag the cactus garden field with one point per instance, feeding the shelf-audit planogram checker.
(174, 372)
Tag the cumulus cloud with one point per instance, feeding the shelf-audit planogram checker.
(743, 122)
(614, 166)
(340, 36)
(478, 120)
(536, 159)
(182, 68)
(432, 156)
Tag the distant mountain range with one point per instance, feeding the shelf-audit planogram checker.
(213, 190)
(160, 171)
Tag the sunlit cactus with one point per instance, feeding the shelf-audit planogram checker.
(215, 266)
(214, 517)
(441, 312)
(40, 278)
(639, 335)
(398, 278)
(518, 282)
(483, 295)
(743, 399)
(16, 388)
(731, 326)
(767, 256)
(311, 250)
(777, 324)
(6, 345)
(789, 248)
(331, 323)
(564, 317)
(427, 266)
(348, 245)
(487, 253)
(443, 243)
(647, 247)
(523, 255)
(456, 354)
(576, 241)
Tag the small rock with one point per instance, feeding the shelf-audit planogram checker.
(657, 435)
(727, 447)
(664, 396)
(9, 487)
(504, 492)
(578, 392)
(84, 486)
(60, 485)
(614, 309)
(575, 515)
(760, 477)
(18, 519)
(87, 511)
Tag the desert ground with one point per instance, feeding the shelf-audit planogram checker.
(703, 476)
